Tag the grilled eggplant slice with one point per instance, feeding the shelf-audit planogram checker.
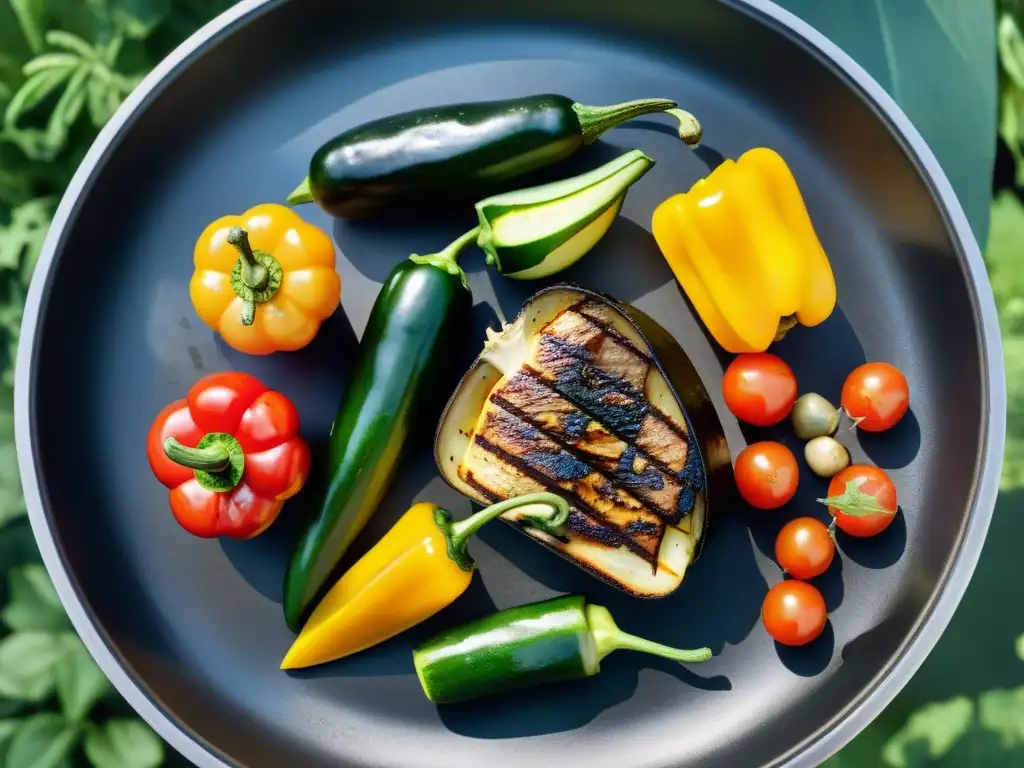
(587, 397)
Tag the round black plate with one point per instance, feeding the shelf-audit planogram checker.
(191, 631)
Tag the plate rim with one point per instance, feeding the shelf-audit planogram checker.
(813, 749)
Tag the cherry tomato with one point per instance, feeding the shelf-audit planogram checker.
(863, 500)
(759, 388)
(766, 474)
(804, 548)
(793, 612)
(876, 396)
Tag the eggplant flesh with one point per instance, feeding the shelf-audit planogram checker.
(571, 398)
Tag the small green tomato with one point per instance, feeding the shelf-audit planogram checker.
(814, 416)
(826, 456)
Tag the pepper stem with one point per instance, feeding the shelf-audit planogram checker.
(594, 121)
(690, 129)
(254, 274)
(213, 458)
(544, 510)
(301, 194)
(607, 637)
(448, 259)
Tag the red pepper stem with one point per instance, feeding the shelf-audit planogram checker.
(213, 458)
(544, 510)
(254, 274)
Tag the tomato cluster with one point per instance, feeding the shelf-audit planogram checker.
(761, 389)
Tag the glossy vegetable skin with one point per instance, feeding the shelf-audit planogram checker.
(794, 612)
(399, 378)
(876, 396)
(551, 641)
(742, 246)
(804, 548)
(462, 151)
(767, 474)
(759, 388)
(265, 280)
(230, 453)
(420, 566)
(862, 498)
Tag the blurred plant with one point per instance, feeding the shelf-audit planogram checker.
(65, 67)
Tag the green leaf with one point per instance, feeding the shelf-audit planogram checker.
(138, 18)
(124, 744)
(68, 108)
(45, 741)
(70, 42)
(80, 682)
(7, 730)
(855, 503)
(1002, 712)
(51, 61)
(1019, 647)
(32, 92)
(28, 662)
(1011, 49)
(34, 604)
(30, 14)
(22, 239)
(929, 733)
(104, 99)
(936, 59)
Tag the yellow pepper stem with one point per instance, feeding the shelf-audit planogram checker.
(544, 510)
(256, 276)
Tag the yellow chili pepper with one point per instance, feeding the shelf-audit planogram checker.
(742, 246)
(265, 279)
(419, 567)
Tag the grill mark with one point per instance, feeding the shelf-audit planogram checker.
(621, 536)
(632, 469)
(592, 310)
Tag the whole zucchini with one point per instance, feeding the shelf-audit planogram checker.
(423, 305)
(461, 150)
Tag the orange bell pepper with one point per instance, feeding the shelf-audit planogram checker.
(743, 248)
(265, 280)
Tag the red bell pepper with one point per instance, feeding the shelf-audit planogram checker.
(230, 453)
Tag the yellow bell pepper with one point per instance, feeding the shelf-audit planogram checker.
(743, 248)
(419, 567)
(265, 280)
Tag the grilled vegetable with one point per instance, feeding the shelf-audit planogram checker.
(419, 567)
(537, 232)
(403, 357)
(591, 399)
(461, 151)
(554, 640)
(742, 246)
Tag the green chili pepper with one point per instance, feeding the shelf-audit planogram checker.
(460, 151)
(399, 377)
(558, 639)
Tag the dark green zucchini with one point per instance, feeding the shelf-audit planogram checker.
(414, 328)
(462, 151)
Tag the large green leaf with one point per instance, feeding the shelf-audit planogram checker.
(33, 605)
(929, 733)
(28, 663)
(80, 682)
(937, 58)
(45, 741)
(123, 744)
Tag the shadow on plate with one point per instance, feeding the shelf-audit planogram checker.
(878, 551)
(811, 659)
(895, 447)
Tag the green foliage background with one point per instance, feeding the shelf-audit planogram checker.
(65, 67)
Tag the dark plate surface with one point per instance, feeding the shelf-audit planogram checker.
(191, 631)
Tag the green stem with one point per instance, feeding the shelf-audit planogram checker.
(448, 259)
(213, 458)
(551, 512)
(607, 637)
(254, 274)
(690, 129)
(301, 194)
(594, 121)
